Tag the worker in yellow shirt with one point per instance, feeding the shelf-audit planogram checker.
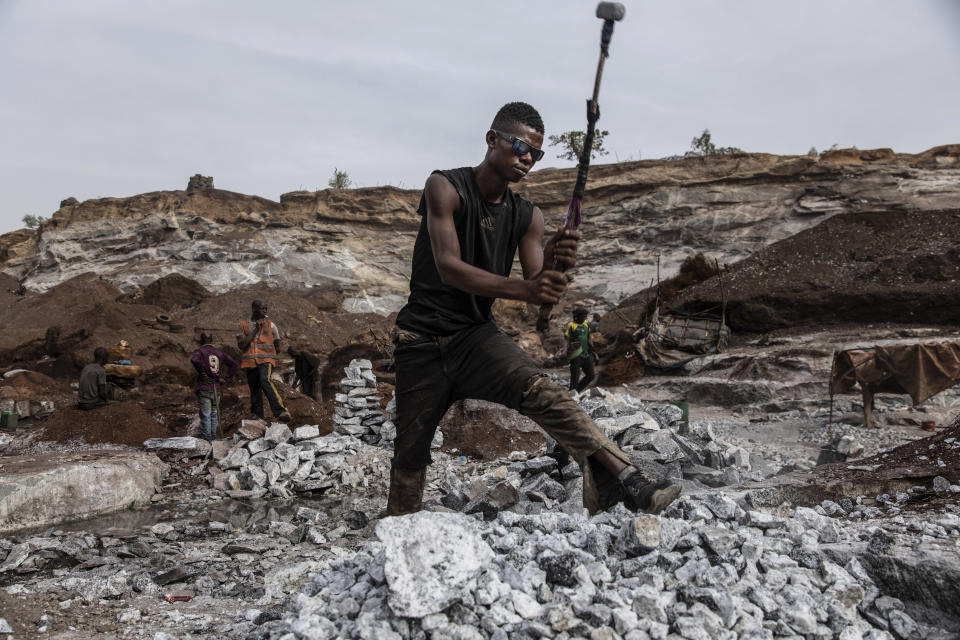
(579, 350)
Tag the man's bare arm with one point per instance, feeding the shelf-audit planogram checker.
(561, 248)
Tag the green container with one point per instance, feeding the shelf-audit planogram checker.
(684, 407)
(8, 420)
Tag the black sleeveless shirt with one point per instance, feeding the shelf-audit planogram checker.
(489, 235)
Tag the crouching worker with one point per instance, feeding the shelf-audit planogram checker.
(447, 344)
(214, 367)
(94, 390)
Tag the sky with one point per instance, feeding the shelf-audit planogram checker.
(114, 98)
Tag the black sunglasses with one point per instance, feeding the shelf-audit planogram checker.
(520, 147)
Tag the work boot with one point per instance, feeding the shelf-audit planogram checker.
(406, 491)
(610, 490)
(649, 497)
(285, 417)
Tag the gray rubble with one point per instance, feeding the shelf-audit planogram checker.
(703, 570)
(712, 564)
(504, 549)
(647, 433)
(283, 462)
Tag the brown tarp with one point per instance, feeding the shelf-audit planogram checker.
(918, 370)
(672, 341)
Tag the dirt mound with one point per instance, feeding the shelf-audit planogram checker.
(29, 382)
(57, 331)
(301, 323)
(618, 369)
(31, 385)
(27, 317)
(65, 324)
(634, 310)
(122, 423)
(890, 266)
(938, 455)
(169, 293)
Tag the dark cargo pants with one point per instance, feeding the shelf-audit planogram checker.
(584, 362)
(260, 382)
(482, 363)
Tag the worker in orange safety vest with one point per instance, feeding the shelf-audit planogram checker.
(259, 341)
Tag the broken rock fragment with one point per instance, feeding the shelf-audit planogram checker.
(187, 445)
(278, 433)
(237, 458)
(497, 498)
(429, 559)
(639, 535)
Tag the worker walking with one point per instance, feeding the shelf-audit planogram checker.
(259, 341)
(213, 368)
(580, 352)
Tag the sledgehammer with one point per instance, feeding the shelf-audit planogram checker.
(609, 12)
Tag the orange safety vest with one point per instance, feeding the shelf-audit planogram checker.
(261, 350)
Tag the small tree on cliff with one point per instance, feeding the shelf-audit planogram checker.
(571, 144)
(340, 180)
(32, 222)
(703, 145)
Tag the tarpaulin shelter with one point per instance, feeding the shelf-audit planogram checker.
(919, 370)
(673, 340)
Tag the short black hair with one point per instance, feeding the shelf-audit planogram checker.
(521, 112)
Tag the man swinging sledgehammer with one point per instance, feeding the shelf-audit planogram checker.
(447, 344)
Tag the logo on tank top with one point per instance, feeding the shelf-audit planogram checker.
(487, 223)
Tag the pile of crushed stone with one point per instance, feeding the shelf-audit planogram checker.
(707, 569)
(277, 461)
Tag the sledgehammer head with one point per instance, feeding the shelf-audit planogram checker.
(610, 11)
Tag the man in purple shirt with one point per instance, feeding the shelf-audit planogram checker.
(213, 368)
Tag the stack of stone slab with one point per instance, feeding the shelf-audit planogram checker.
(277, 460)
(357, 411)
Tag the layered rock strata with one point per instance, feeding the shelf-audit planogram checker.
(361, 240)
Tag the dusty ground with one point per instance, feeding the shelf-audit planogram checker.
(839, 285)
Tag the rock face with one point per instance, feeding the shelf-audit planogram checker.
(198, 182)
(361, 240)
(729, 206)
(45, 490)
